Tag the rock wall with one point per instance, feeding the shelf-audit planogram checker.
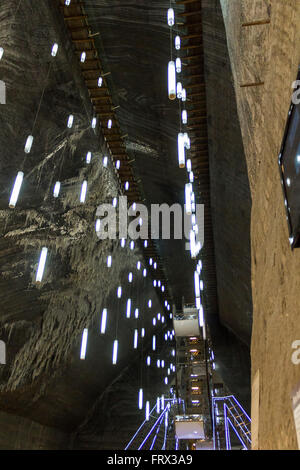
(268, 54)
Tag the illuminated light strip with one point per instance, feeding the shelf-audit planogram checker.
(115, 351)
(147, 410)
(135, 340)
(41, 265)
(140, 399)
(83, 344)
(239, 424)
(103, 321)
(16, 190)
(128, 308)
(83, 191)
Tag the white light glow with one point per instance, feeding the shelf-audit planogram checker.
(131, 246)
(126, 186)
(158, 405)
(115, 351)
(143, 333)
(138, 265)
(154, 321)
(149, 303)
(158, 363)
(56, 189)
(83, 192)
(171, 17)
(83, 57)
(54, 49)
(70, 121)
(123, 242)
(83, 344)
(188, 201)
(153, 343)
(88, 157)
(109, 124)
(28, 144)
(105, 161)
(128, 308)
(183, 95)
(41, 265)
(16, 190)
(148, 360)
(136, 313)
(184, 116)
(181, 150)
(135, 339)
(140, 399)
(118, 164)
(115, 202)
(109, 261)
(172, 80)
(177, 43)
(100, 82)
(144, 272)
(119, 292)
(130, 277)
(178, 65)
(147, 411)
(94, 123)
(179, 90)
(103, 321)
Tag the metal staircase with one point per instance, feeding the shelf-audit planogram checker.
(230, 417)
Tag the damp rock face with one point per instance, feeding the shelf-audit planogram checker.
(44, 381)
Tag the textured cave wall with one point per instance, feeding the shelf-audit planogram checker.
(268, 54)
(44, 380)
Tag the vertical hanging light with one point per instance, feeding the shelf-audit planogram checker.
(128, 308)
(28, 144)
(54, 49)
(70, 121)
(140, 399)
(188, 201)
(41, 265)
(83, 191)
(183, 95)
(103, 321)
(94, 122)
(172, 80)
(177, 42)
(136, 313)
(119, 292)
(1, 52)
(178, 65)
(88, 157)
(184, 116)
(171, 17)
(153, 343)
(179, 90)
(135, 339)
(16, 190)
(83, 57)
(158, 405)
(83, 344)
(109, 261)
(100, 82)
(147, 411)
(56, 189)
(181, 150)
(109, 124)
(148, 361)
(115, 351)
